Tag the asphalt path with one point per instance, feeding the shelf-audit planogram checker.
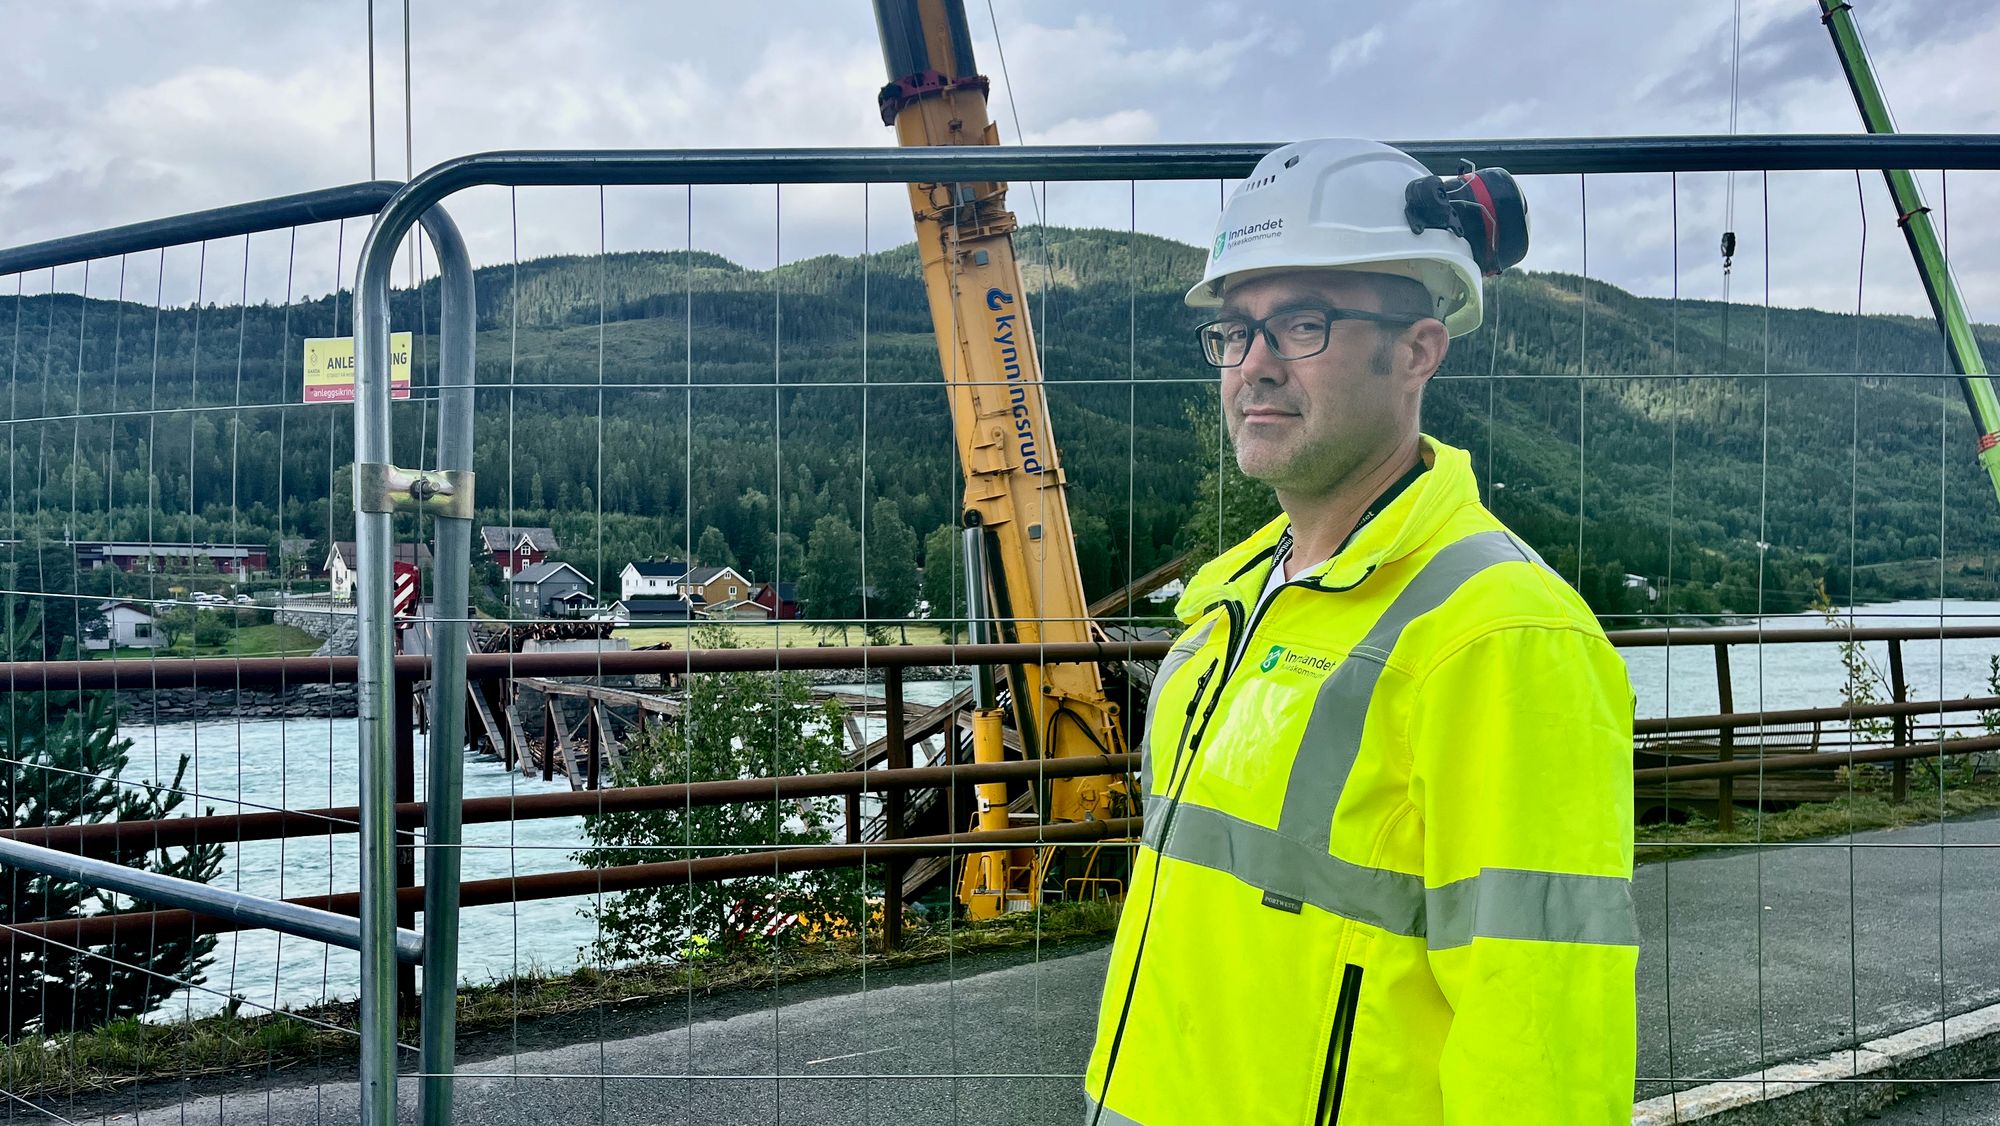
(1752, 957)
(1749, 957)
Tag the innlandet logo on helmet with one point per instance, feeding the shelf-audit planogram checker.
(1255, 232)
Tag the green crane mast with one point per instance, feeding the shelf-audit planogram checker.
(1921, 233)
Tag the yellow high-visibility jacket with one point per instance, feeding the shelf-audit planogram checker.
(1386, 873)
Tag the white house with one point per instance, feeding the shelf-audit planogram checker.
(127, 625)
(342, 556)
(652, 578)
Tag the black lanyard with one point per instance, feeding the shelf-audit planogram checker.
(1283, 551)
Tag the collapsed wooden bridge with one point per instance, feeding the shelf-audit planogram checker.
(582, 730)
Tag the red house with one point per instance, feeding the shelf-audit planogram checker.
(781, 599)
(517, 548)
(226, 558)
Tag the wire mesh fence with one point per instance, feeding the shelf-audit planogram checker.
(709, 416)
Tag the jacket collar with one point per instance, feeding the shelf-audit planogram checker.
(1410, 520)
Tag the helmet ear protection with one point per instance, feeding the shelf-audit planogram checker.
(1482, 206)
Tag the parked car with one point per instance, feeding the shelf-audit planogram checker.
(245, 600)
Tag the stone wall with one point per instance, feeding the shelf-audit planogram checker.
(178, 705)
(334, 623)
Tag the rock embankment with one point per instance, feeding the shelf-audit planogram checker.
(178, 705)
(332, 622)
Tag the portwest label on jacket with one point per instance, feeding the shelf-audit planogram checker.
(1388, 847)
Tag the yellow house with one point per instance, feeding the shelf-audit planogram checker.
(716, 585)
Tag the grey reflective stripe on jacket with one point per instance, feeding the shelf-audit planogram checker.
(1294, 861)
(1333, 734)
(1537, 906)
(1154, 817)
(1497, 903)
(1096, 1115)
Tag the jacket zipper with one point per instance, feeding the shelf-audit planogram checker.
(1333, 1076)
(1187, 725)
(1177, 780)
(1239, 638)
(1236, 652)
(1192, 746)
(1239, 641)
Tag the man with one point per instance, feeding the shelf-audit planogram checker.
(1388, 847)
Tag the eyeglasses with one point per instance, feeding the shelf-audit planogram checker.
(1293, 334)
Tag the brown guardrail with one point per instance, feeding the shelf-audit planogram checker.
(263, 672)
(140, 673)
(1667, 725)
(114, 837)
(146, 673)
(1817, 760)
(97, 930)
(1791, 635)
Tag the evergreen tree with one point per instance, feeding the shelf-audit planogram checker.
(713, 549)
(777, 558)
(892, 566)
(830, 588)
(944, 580)
(1227, 505)
(50, 629)
(1098, 557)
(61, 759)
(1617, 467)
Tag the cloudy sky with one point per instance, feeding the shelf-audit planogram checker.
(121, 110)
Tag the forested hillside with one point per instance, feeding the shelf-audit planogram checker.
(634, 401)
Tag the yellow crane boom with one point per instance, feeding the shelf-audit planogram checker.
(1014, 484)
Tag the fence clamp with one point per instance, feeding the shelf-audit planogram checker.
(386, 488)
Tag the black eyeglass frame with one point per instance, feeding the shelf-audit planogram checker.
(1333, 313)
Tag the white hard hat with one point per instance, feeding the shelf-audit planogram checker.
(1338, 204)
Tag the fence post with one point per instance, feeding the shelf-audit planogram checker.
(374, 703)
(444, 773)
(1725, 744)
(383, 712)
(1899, 771)
(898, 750)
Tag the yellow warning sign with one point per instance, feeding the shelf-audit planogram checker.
(330, 368)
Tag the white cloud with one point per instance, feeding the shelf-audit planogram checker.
(125, 112)
(1353, 52)
(1119, 127)
(1092, 67)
